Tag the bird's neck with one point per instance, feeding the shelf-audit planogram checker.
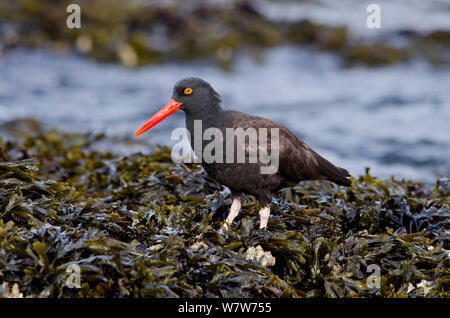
(214, 117)
(197, 123)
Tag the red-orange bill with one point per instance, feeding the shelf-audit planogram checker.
(170, 108)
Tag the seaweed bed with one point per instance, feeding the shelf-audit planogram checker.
(142, 226)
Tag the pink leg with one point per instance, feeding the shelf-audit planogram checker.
(234, 211)
(264, 217)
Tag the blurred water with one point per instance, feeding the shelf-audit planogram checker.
(393, 119)
(412, 15)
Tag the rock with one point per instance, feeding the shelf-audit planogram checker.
(257, 254)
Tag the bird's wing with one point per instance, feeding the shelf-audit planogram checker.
(296, 158)
(297, 161)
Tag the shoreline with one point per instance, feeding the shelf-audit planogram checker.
(148, 34)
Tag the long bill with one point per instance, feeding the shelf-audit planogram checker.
(170, 108)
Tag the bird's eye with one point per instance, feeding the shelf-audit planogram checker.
(188, 91)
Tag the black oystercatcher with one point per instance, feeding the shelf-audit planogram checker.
(296, 161)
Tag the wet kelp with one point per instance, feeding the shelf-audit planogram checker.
(151, 32)
(142, 226)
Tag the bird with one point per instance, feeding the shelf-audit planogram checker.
(296, 161)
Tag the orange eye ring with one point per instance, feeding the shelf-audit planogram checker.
(188, 91)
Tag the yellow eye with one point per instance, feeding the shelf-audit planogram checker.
(188, 91)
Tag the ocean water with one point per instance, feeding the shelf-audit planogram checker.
(394, 119)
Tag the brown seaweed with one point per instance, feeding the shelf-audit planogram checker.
(142, 226)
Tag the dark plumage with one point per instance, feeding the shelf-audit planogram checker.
(297, 161)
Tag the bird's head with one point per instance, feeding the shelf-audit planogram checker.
(191, 95)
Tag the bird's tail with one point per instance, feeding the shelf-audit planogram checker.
(332, 173)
